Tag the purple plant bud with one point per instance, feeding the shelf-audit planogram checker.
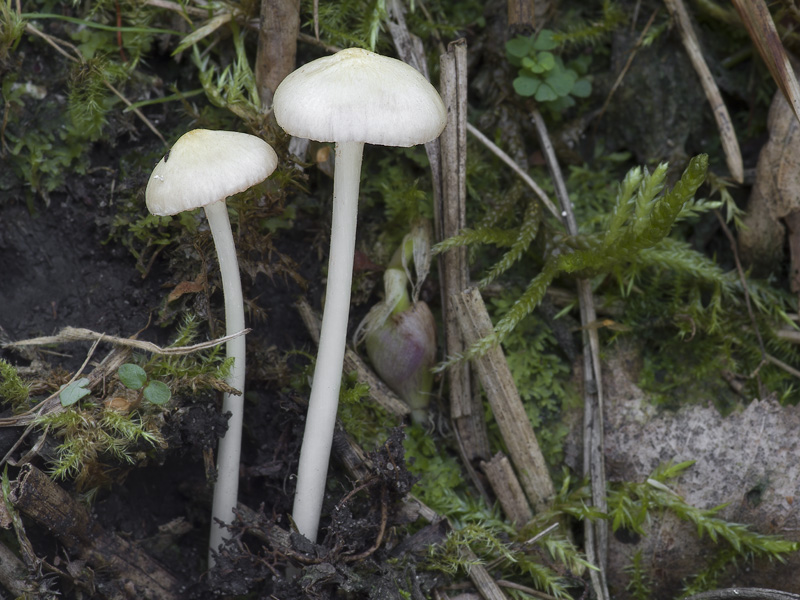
(403, 352)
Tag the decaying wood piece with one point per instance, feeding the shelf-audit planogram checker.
(379, 391)
(515, 427)
(37, 497)
(774, 204)
(730, 145)
(13, 574)
(596, 544)
(507, 489)
(465, 406)
(521, 17)
(277, 45)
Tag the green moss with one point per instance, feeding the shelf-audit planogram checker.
(542, 375)
(12, 389)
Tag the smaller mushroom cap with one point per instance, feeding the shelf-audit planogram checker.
(359, 96)
(206, 166)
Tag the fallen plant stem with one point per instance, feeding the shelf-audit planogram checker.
(379, 392)
(75, 334)
(524, 589)
(540, 193)
(744, 594)
(730, 144)
(593, 430)
(450, 219)
(509, 413)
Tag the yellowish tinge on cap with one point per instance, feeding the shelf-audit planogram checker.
(359, 96)
(206, 166)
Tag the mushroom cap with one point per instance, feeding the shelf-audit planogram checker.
(206, 166)
(359, 96)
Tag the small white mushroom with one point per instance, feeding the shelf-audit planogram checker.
(351, 98)
(201, 170)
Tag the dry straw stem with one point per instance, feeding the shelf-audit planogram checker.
(730, 145)
(756, 18)
(487, 586)
(506, 487)
(515, 427)
(75, 334)
(378, 391)
(593, 430)
(450, 219)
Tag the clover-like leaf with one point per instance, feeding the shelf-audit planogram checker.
(73, 392)
(545, 40)
(519, 47)
(582, 88)
(526, 86)
(157, 393)
(545, 93)
(546, 60)
(561, 81)
(132, 376)
(532, 65)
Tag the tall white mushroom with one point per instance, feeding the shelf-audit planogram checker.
(201, 170)
(351, 98)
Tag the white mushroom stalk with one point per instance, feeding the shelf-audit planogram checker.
(201, 170)
(351, 98)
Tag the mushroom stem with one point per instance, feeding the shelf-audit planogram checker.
(318, 436)
(227, 486)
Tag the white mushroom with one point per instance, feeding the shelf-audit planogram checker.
(201, 170)
(351, 98)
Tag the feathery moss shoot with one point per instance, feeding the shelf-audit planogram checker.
(641, 218)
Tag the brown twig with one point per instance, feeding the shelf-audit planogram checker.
(381, 532)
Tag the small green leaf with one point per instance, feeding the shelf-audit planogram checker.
(545, 93)
(546, 60)
(526, 86)
(581, 64)
(132, 376)
(73, 392)
(519, 46)
(582, 88)
(545, 41)
(157, 393)
(561, 81)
